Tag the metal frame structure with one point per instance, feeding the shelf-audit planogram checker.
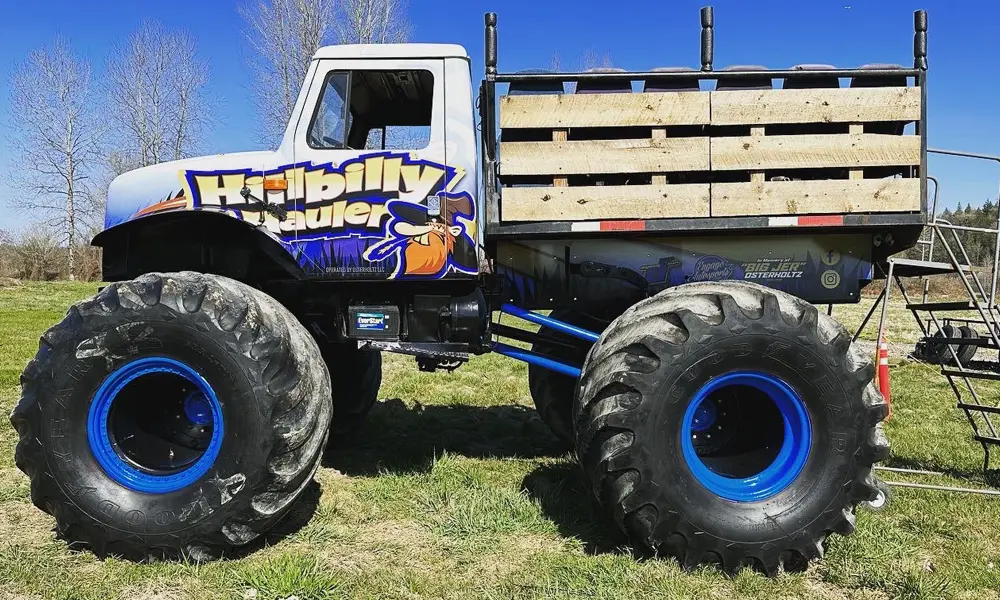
(534, 358)
(959, 376)
(493, 228)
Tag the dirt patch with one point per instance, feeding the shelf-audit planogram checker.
(405, 543)
(22, 523)
(512, 554)
(157, 590)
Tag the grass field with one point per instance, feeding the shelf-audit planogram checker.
(457, 490)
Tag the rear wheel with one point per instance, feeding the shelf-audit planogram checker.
(174, 414)
(355, 378)
(728, 422)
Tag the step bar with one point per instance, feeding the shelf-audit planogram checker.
(993, 410)
(971, 374)
(942, 306)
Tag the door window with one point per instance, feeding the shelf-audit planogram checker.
(388, 110)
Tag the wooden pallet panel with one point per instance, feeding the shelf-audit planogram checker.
(656, 155)
(604, 110)
(814, 151)
(830, 196)
(593, 203)
(819, 105)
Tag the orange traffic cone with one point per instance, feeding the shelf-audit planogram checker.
(883, 372)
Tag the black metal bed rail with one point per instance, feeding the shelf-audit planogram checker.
(699, 75)
(707, 56)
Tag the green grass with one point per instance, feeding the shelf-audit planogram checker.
(457, 490)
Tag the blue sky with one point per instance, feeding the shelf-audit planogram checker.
(963, 88)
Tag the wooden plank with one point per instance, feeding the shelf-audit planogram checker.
(604, 110)
(815, 105)
(604, 156)
(593, 203)
(814, 151)
(757, 176)
(825, 196)
(560, 135)
(858, 129)
(659, 133)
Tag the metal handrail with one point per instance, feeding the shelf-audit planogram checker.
(947, 225)
(996, 246)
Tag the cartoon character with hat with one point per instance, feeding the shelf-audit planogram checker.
(429, 246)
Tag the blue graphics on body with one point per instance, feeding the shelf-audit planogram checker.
(364, 218)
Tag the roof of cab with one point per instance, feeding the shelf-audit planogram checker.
(392, 51)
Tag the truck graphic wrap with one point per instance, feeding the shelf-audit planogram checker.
(365, 218)
(819, 269)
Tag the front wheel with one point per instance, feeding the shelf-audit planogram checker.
(553, 392)
(729, 422)
(174, 414)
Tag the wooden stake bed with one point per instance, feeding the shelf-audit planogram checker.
(730, 153)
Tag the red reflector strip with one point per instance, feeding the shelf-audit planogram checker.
(623, 225)
(806, 221)
(813, 221)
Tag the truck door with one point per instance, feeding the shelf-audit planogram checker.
(370, 148)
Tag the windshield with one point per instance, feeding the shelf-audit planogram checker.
(328, 127)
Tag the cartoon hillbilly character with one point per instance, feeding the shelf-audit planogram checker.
(428, 246)
(427, 249)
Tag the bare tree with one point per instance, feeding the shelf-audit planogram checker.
(156, 82)
(285, 35)
(37, 255)
(56, 136)
(591, 59)
(372, 22)
(555, 62)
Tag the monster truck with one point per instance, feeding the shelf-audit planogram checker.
(679, 224)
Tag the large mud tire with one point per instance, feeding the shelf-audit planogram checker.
(273, 394)
(966, 352)
(938, 353)
(642, 375)
(552, 392)
(355, 378)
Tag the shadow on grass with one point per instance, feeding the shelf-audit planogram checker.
(400, 439)
(990, 477)
(563, 493)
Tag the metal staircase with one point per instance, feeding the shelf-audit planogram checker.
(939, 325)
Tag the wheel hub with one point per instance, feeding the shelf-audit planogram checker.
(704, 416)
(745, 436)
(155, 425)
(197, 408)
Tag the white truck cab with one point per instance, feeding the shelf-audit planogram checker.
(375, 132)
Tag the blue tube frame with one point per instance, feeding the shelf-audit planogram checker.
(536, 359)
(533, 358)
(554, 324)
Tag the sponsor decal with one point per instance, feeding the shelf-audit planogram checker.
(712, 268)
(774, 268)
(371, 322)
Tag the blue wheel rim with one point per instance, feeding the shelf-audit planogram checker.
(787, 464)
(200, 404)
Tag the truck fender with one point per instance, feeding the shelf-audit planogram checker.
(129, 247)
